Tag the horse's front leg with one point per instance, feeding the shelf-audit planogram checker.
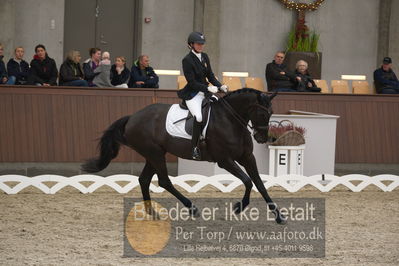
(249, 164)
(234, 169)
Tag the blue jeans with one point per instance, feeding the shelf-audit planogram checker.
(76, 83)
(11, 81)
(390, 90)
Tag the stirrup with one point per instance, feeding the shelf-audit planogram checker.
(196, 154)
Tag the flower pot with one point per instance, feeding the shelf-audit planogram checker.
(313, 60)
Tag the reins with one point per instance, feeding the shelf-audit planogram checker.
(235, 114)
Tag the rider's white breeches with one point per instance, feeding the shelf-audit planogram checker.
(194, 105)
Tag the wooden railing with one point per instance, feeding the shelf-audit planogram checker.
(61, 124)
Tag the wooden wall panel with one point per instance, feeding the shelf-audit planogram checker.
(61, 124)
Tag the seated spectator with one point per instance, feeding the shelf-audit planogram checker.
(103, 72)
(119, 73)
(385, 79)
(71, 73)
(278, 78)
(305, 83)
(142, 75)
(43, 70)
(91, 64)
(18, 68)
(3, 71)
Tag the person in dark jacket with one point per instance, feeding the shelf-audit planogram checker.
(43, 69)
(91, 64)
(142, 75)
(278, 77)
(3, 71)
(197, 69)
(305, 82)
(18, 68)
(119, 73)
(71, 73)
(385, 79)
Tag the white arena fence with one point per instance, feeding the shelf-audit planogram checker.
(223, 182)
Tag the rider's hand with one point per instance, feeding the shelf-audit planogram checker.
(213, 89)
(224, 88)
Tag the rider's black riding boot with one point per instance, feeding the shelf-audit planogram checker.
(197, 126)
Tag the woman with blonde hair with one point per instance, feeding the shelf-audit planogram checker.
(119, 73)
(71, 73)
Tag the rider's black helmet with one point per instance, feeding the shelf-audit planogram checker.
(196, 37)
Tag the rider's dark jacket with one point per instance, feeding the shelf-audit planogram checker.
(196, 73)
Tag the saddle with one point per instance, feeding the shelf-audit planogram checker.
(205, 107)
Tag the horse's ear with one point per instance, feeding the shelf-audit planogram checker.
(273, 95)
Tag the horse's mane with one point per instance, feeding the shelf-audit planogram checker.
(244, 90)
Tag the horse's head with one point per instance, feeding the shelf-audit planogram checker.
(255, 106)
(260, 114)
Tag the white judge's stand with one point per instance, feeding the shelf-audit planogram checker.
(320, 137)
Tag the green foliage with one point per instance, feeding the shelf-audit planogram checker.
(309, 43)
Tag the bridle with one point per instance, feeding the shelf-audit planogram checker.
(241, 120)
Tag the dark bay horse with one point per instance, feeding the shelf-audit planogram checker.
(228, 141)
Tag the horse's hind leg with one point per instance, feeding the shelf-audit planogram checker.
(234, 169)
(159, 164)
(249, 164)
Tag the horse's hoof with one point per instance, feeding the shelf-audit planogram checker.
(193, 210)
(281, 219)
(239, 207)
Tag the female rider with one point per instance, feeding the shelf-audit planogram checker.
(197, 69)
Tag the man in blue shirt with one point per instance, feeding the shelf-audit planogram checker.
(385, 79)
(142, 75)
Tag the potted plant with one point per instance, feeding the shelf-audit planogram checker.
(286, 149)
(303, 44)
(285, 133)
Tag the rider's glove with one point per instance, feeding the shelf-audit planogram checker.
(213, 89)
(224, 88)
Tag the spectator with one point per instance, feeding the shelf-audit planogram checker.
(119, 73)
(18, 68)
(3, 71)
(385, 79)
(71, 73)
(278, 78)
(305, 81)
(43, 70)
(142, 75)
(91, 64)
(103, 72)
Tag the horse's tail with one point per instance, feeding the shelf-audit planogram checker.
(108, 146)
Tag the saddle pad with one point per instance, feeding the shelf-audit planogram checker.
(175, 113)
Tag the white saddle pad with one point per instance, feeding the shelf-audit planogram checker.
(175, 113)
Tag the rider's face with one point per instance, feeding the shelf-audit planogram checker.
(198, 47)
